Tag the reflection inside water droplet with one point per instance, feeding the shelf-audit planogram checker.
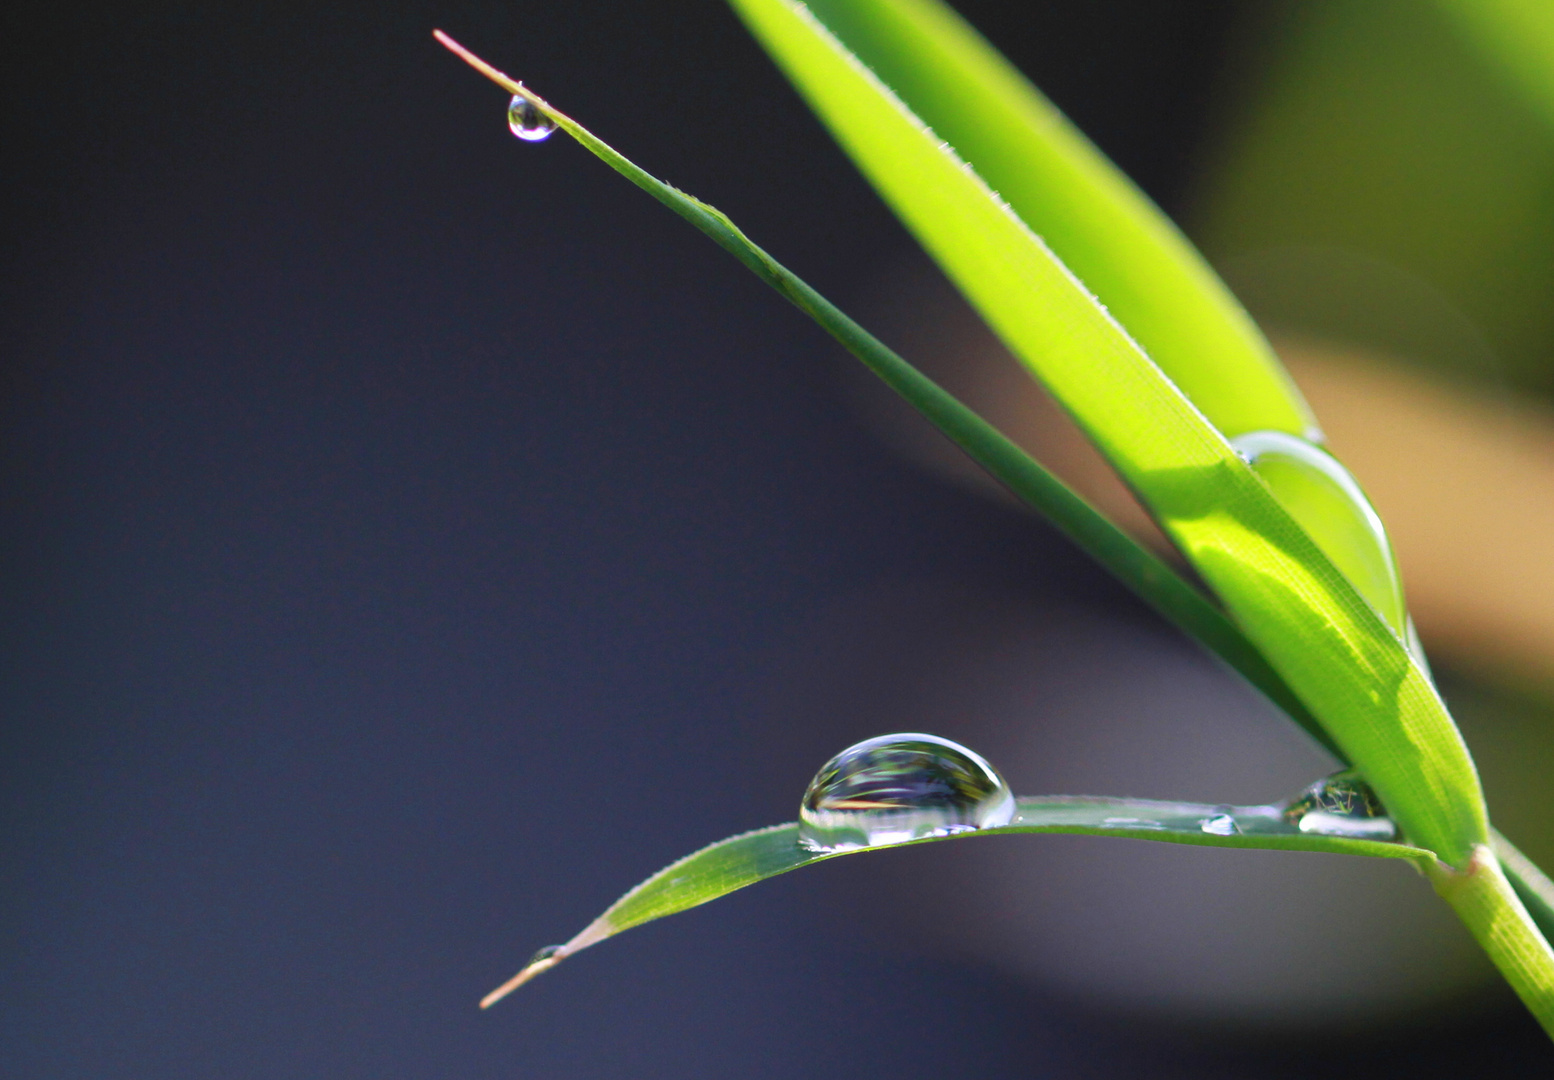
(897, 788)
(526, 121)
(1324, 498)
(1341, 805)
(1221, 823)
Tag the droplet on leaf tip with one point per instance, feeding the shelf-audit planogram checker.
(542, 961)
(526, 121)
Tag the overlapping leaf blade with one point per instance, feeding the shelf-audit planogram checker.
(1326, 642)
(1091, 215)
(1156, 582)
(1137, 567)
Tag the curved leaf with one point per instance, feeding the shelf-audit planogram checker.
(1140, 569)
(1350, 669)
(728, 865)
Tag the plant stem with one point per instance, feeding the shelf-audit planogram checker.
(1485, 901)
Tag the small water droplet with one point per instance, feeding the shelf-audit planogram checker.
(526, 121)
(544, 954)
(897, 788)
(1220, 823)
(1341, 805)
(540, 962)
(1325, 499)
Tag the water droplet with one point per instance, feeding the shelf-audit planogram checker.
(526, 121)
(544, 954)
(1325, 499)
(542, 961)
(1341, 805)
(1132, 823)
(1220, 823)
(901, 787)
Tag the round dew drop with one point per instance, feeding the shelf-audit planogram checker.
(1341, 805)
(526, 121)
(897, 788)
(1325, 499)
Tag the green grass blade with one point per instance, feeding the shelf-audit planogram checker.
(1138, 568)
(1092, 216)
(742, 860)
(1353, 672)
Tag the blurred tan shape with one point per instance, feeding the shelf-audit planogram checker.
(1463, 481)
(1465, 484)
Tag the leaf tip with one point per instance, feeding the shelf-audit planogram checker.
(539, 963)
(506, 82)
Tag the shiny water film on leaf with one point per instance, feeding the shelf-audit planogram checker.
(525, 120)
(1341, 805)
(1329, 504)
(897, 788)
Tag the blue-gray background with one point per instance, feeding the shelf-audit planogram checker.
(413, 537)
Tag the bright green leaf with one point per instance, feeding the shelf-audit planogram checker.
(1338, 655)
(731, 864)
(1086, 210)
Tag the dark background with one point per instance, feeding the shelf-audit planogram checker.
(414, 537)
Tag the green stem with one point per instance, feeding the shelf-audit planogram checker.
(1532, 885)
(1487, 904)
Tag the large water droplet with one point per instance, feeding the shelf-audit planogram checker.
(1325, 499)
(1341, 805)
(526, 121)
(901, 787)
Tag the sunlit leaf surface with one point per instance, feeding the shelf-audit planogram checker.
(1352, 671)
(1092, 216)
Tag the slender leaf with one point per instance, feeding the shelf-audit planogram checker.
(1532, 885)
(1138, 568)
(1491, 913)
(1341, 659)
(1092, 216)
(721, 868)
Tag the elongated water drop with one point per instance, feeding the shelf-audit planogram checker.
(1325, 499)
(897, 788)
(1220, 823)
(1341, 805)
(526, 121)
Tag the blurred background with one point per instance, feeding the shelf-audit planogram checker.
(414, 537)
